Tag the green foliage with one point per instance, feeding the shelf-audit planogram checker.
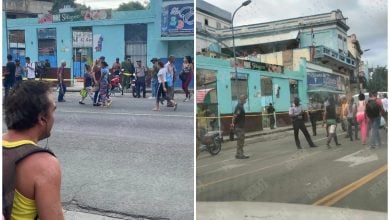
(57, 4)
(378, 81)
(130, 6)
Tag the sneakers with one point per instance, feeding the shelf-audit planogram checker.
(314, 145)
(151, 97)
(186, 100)
(242, 156)
(81, 103)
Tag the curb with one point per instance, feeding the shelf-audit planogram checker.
(73, 215)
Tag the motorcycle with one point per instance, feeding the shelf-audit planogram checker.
(129, 82)
(210, 141)
(116, 86)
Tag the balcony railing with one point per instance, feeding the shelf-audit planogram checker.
(322, 51)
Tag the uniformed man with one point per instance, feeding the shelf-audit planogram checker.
(238, 124)
(270, 112)
(297, 115)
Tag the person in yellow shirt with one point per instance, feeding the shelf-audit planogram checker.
(31, 174)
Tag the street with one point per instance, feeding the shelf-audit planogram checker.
(126, 161)
(277, 172)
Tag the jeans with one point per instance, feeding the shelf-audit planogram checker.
(375, 139)
(352, 122)
(141, 83)
(154, 87)
(62, 92)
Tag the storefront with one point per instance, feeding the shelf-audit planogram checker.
(81, 37)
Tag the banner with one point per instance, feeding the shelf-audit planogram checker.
(82, 39)
(322, 80)
(83, 15)
(177, 20)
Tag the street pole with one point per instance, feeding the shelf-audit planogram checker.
(234, 45)
(6, 26)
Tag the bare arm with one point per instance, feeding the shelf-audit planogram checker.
(47, 190)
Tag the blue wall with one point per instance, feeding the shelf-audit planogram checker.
(255, 103)
(112, 31)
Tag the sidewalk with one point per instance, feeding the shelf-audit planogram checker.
(265, 134)
(79, 85)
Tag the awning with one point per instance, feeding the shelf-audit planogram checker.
(323, 90)
(201, 94)
(292, 35)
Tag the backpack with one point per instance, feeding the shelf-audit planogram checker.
(372, 109)
(11, 156)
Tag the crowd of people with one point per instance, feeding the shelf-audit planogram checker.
(97, 79)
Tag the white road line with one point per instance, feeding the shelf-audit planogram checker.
(126, 113)
(252, 172)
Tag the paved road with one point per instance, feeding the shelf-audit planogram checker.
(125, 161)
(278, 172)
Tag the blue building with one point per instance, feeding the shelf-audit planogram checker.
(83, 36)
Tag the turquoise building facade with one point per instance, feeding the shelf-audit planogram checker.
(136, 33)
(217, 78)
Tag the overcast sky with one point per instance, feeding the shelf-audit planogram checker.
(366, 18)
(103, 4)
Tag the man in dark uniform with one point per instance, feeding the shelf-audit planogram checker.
(270, 112)
(238, 124)
(296, 113)
(9, 75)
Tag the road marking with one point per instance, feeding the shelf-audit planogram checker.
(334, 197)
(355, 159)
(253, 171)
(125, 113)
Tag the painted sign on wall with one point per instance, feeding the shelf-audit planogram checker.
(177, 20)
(83, 15)
(322, 80)
(82, 39)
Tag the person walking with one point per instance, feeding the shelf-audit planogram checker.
(171, 76)
(330, 118)
(270, 112)
(162, 88)
(313, 115)
(186, 76)
(296, 114)
(154, 78)
(140, 74)
(9, 76)
(30, 69)
(103, 85)
(19, 71)
(61, 82)
(238, 125)
(385, 106)
(351, 118)
(361, 118)
(96, 76)
(88, 80)
(31, 174)
(373, 111)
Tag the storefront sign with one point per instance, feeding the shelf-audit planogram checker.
(322, 80)
(83, 15)
(177, 20)
(82, 39)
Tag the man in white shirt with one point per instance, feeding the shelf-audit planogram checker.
(30, 69)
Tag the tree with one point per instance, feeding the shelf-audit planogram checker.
(57, 4)
(130, 6)
(378, 82)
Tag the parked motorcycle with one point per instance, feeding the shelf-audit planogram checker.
(210, 141)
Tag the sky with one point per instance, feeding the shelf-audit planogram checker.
(366, 18)
(102, 4)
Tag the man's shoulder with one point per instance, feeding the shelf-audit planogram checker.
(43, 163)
